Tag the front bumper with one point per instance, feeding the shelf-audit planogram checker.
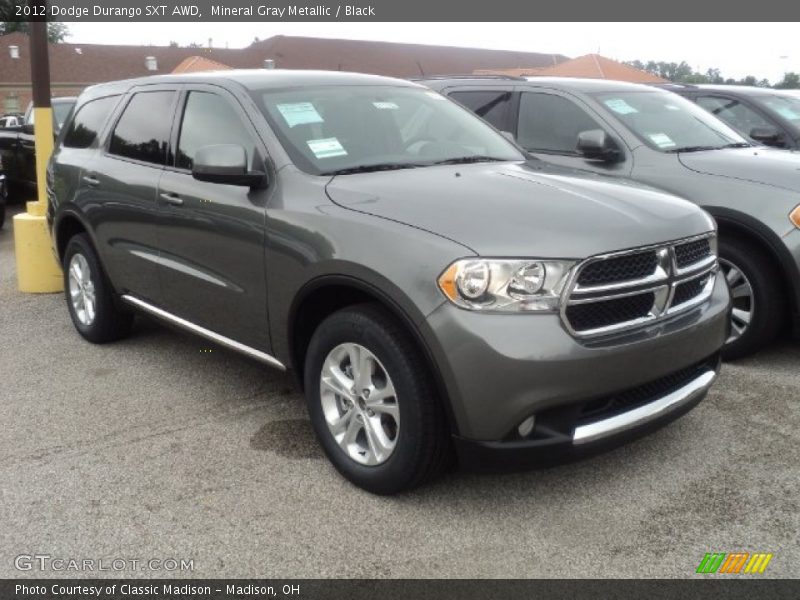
(500, 369)
(551, 447)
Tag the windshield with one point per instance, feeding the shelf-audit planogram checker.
(341, 129)
(787, 107)
(668, 123)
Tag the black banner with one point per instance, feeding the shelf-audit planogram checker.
(392, 10)
(734, 588)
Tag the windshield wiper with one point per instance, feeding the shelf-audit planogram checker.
(738, 145)
(372, 168)
(462, 160)
(693, 149)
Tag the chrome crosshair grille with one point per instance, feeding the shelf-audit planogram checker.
(633, 288)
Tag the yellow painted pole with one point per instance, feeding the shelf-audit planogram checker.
(37, 268)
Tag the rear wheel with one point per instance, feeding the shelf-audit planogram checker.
(90, 299)
(372, 403)
(758, 308)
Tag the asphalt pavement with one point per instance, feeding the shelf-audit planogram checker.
(165, 447)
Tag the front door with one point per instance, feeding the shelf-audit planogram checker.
(211, 236)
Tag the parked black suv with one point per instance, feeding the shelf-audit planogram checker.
(657, 138)
(430, 286)
(18, 148)
(764, 115)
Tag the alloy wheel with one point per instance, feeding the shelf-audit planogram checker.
(742, 297)
(81, 290)
(359, 403)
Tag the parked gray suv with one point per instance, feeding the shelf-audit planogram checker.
(657, 138)
(431, 287)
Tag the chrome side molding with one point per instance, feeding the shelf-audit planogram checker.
(650, 411)
(202, 331)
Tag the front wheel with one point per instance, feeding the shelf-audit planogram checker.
(758, 308)
(372, 403)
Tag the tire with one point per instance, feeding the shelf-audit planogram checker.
(99, 321)
(413, 449)
(745, 265)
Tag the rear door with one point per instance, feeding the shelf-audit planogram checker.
(212, 235)
(121, 187)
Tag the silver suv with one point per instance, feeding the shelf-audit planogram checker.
(657, 138)
(431, 287)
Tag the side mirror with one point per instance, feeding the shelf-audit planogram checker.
(225, 163)
(769, 136)
(594, 144)
(28, 128)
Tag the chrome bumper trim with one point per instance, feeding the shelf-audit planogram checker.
(650, 411)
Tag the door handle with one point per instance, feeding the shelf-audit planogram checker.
(91, 180)
(172, 199)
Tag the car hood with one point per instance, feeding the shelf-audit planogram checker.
(778, 168)
(522, 209)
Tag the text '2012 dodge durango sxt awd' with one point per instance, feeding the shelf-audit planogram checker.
(433, 289)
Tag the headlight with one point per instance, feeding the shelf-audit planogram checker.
(505, 285)
(794, 216)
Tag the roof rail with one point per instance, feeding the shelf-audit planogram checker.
(504, 77)
(675, 85)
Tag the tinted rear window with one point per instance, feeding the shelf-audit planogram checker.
(142, 132)
(86, 126)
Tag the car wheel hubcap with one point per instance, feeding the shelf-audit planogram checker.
(742, 297)
(81, 289)
(359, 403)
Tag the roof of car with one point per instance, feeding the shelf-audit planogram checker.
(748, 90)
(568, 83)
(579, 84)
(261, 79)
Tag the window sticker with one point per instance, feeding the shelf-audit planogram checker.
(619, 106)
(435, 96)
(662, 140)
(326, 148)
(299, 113)
(385, 105)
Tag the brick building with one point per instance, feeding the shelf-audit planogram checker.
(592, 66)
(75, 66)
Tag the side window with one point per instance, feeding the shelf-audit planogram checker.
(209, 119)
(142, 132)
(88, 122)
(739, 116)
(490, 105)
(550, 123)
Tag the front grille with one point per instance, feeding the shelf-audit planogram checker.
(689, 289)
(610, 406)
(622, 268)
(634, 288)
(692, 252)
(595, 315)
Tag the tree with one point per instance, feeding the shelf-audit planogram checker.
(56, 32)
(790, 81)
(682, 72)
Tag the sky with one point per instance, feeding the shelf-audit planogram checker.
(765, 50)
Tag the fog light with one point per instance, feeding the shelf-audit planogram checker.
(526, 426)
